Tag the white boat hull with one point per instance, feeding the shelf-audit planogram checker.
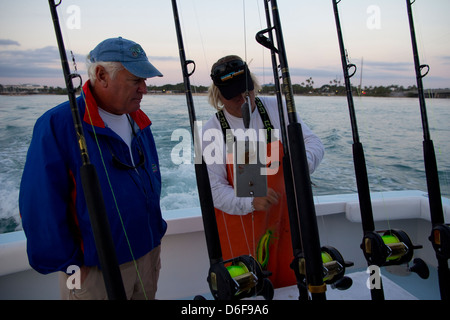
(185, 261)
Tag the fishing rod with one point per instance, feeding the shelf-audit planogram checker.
(295, 231)
(90, 182)
(393, 246)
(238, 277)
(337, 280)
(359, 161)
(305, 215)
(440, 236)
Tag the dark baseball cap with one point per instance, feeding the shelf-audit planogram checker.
(231, 76)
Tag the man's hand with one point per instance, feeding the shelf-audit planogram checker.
(264, 203)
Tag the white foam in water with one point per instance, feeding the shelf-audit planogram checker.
(9, 205)
(179, 188)
(179, 201)
(393, 148)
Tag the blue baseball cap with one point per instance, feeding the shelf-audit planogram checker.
(127, 52)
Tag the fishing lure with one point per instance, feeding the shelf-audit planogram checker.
(262, 249)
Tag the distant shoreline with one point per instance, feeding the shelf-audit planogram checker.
(446, 96)
(332, 89)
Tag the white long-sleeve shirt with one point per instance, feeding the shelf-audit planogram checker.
(223, 193)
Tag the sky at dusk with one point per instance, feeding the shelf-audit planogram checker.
(376, 35)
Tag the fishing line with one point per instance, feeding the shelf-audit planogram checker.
(68, 44)
(184, 29)
(67, 39)
(247, 74)
(199, 30)
(311, 255)
(205, 63)
(230, 173)
(284, 117)
(228, 235)
(419, 36)
(374, 244)
(261, 26)
(114, 196)
(220, 276)
(89, 179)
(371, 162)
(440, 234)
(245, 30)
(432, 116)
(200, 33)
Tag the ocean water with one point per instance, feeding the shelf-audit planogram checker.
(389, 128)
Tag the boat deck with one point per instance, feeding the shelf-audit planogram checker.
(184, 245)
(396, 287)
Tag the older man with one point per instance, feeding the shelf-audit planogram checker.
(121, 146)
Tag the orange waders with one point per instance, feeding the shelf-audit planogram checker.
(265, 235)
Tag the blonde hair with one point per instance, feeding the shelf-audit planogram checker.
(214, 95)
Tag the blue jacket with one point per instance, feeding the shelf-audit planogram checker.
(51, 200)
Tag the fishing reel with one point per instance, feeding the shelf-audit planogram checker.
(392, 247)
(440, 239)
(239, 278)
(333, 268)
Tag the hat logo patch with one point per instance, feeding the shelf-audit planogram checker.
(137, 51)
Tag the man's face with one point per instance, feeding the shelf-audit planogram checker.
(125, 92)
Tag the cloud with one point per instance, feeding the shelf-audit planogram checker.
(43, 62)
(373, 73)
(301, 74)
(389, 66)
(330, 72)
(445, 59)
(8, 42)
(35, 63)
(163, 58)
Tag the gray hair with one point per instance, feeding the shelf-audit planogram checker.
(111, 68)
